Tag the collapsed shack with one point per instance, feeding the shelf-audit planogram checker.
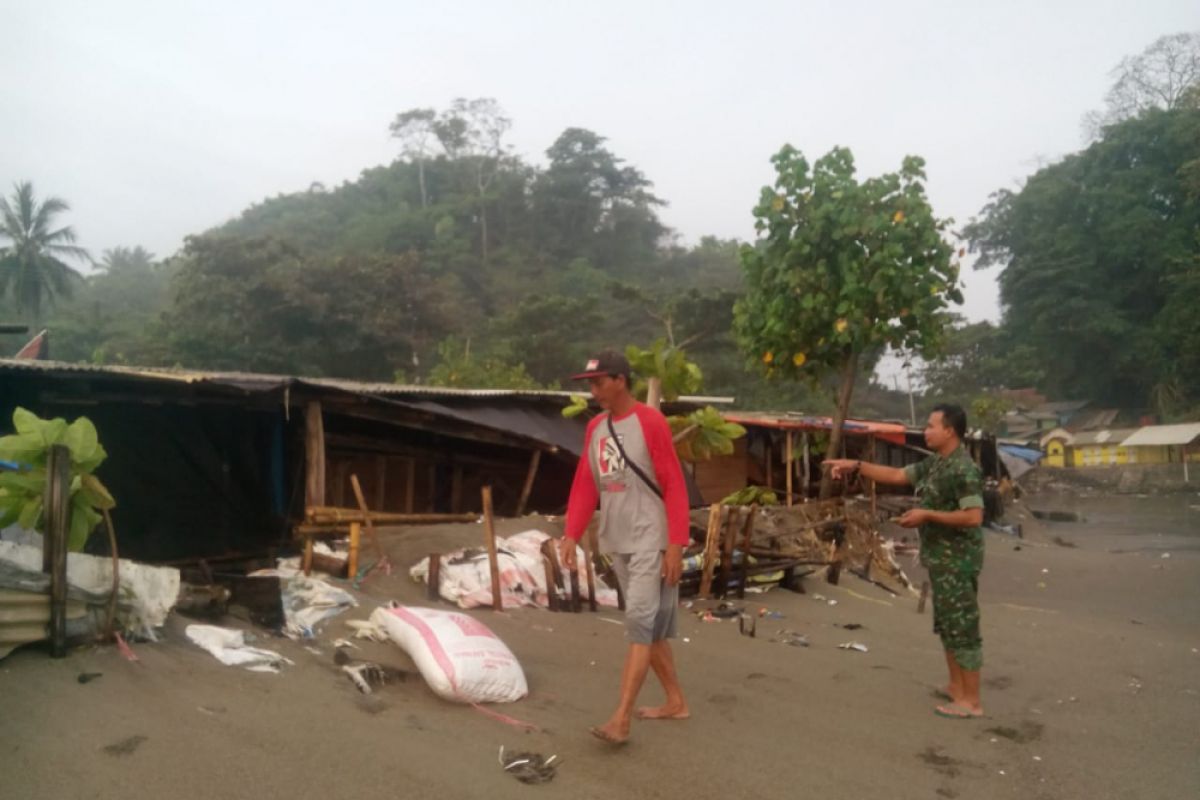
(223, 465)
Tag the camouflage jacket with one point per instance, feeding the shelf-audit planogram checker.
(949, 483)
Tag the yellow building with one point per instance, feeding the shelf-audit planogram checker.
(1056, 445)
(1104, 448)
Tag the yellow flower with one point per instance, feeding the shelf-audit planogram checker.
(777, 203)
(768, 357)
(840, 325)
(898, 217)
(799, 359)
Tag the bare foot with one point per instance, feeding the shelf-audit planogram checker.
(947, 693)
(611, 732)
(679, 711)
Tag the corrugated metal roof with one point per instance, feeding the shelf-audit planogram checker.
(1160, 435)
(891, 431)
(255, 381)
(1107, 436)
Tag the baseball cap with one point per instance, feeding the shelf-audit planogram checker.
(607, 362)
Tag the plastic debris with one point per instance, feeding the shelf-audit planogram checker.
(529, 767)
(791, 638)
(229, 646)
(859, 646)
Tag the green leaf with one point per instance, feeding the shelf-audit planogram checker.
(31, 482)
(25, 421)
(578, 405)
(30, 514)
(81, 439)
(83, 521)
(23, 448)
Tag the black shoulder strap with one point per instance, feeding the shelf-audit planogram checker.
(636, 469)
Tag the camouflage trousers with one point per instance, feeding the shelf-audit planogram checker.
(956, 614)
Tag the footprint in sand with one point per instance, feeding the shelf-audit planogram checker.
(1000, 682)
(1028, 731)
(125, 746)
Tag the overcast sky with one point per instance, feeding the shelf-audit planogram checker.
(159, 119)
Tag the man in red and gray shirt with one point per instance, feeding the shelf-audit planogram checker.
(630, 468)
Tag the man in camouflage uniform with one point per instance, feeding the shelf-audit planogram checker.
(949, 488)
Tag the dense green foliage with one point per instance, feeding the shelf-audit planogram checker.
(1100, 258)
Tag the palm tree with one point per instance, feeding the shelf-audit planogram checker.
(31, 265)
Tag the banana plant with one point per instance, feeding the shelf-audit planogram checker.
(22, 491)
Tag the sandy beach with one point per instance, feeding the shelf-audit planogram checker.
(1091, 690)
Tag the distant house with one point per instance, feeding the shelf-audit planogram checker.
(1150, 444)
(1165, 444)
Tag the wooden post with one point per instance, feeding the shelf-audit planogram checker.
(434, 589)
(308, 554)
(747, 537)
(789, 465)
(807, 472)
(352, 560)
(56, 505)
(594, 546)
(553, 573)
(576, 603)
(489, 530)
(314, 455)
(589, 555)
(710, 550)
(534, 460)
(727, 552)
(410, 484)
(924, 597)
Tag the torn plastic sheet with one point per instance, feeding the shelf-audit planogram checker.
(229, 646)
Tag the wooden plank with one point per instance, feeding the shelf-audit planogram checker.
(431, 504)
(874, 459)
(331, 515)
(314, 455)
(308, 555)
(489, 530)
(534, 461)
(56, 505)
(710, 549)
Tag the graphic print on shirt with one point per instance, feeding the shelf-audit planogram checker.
(611, 461)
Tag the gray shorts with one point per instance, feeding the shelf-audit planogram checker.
(650, 605)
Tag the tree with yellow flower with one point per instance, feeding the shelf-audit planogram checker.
(842, 267)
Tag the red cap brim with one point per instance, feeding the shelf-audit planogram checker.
(583, 376)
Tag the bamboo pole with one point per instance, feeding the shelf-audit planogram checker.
(489, 530)
(330, 515)
(534, 460)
